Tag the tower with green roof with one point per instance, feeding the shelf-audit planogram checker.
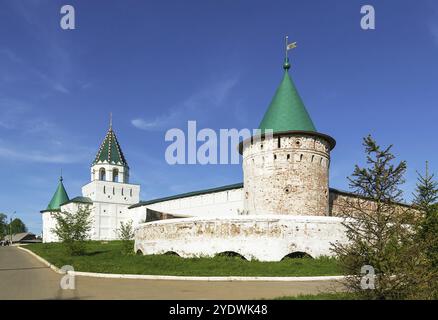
(286, 165)
(110, 163)
(109, 190)
(59, 197)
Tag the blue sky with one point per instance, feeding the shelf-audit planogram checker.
(157, 64)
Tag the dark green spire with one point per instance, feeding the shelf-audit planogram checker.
(110, 151)
(287, 111)
(58, 198)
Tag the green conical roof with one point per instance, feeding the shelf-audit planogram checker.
(287, 111)
(58, 198)
(110, 151)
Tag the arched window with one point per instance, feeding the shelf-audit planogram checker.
(102, 175)
(115, 175)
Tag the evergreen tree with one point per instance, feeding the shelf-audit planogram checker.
(377, 229)
(426, 200)
(426, 192)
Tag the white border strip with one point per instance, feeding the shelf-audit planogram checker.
(185, 278)
(51, 266)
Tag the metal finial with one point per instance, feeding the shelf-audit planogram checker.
(288, 46)
(60, 177)
(285, 47)
(111, 120)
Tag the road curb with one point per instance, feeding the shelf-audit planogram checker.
(179, 278)
(44, 261)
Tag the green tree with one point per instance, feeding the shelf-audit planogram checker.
(426, 200)
(73, 228)
(3, 225)
(378, 229)
(126, 234)
(17, 226)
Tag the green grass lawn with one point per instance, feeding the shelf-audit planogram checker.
(107, 258)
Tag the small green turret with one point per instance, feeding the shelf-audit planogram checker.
(58, 198)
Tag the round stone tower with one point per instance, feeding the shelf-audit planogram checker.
(286, 166)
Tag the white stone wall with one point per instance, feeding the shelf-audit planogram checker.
(49, 223)
(261, 237)
(110, 206)
(287, 175)
(107, 218)
(216, 204)
(112, 192)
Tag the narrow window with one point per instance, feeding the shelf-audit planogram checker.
(288, 157)
(115, 175)
(102, 175)
(275, 157)
(122, 192)
(278, 142)
(104, 189)
(130, 192)
(114, 191)
(313, 157)
(301, 157)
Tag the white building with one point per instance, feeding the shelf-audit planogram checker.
(109, 194)
(285, 206)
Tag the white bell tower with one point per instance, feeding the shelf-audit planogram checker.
(110, 163)
(109, 188)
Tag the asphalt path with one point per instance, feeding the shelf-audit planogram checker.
(24, 277)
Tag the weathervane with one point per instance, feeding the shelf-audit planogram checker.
(288, 46)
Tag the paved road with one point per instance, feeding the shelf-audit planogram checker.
(24, 277)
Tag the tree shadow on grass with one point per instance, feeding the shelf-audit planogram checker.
(95, 253)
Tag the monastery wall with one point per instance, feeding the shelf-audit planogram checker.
(215, 204)
(261, 237)
(341, 202)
